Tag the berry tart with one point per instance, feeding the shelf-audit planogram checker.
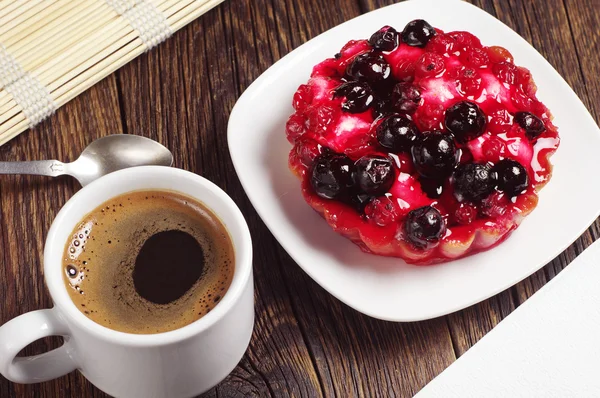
(421, 144)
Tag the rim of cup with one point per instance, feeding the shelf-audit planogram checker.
(55, 244)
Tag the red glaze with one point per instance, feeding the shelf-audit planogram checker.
(452, 67)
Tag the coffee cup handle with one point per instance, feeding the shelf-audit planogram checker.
(23, 330)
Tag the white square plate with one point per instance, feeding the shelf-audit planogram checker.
(388, 288)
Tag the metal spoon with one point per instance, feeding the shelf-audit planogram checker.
(101, 157)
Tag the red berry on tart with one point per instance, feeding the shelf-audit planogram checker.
(421, 144)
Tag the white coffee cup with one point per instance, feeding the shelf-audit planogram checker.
(180, 363)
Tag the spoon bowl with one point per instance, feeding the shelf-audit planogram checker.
(116, 152)
(103, 156)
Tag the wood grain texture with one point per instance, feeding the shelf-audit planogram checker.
(305, 343)
(27, 207)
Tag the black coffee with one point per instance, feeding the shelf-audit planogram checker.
(159, 284)
(148, 262)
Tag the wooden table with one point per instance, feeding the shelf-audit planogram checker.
(305, 343)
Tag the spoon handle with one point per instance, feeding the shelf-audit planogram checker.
(51, 168)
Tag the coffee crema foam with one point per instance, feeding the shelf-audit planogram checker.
(100, 262)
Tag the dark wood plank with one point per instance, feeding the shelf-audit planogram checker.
(27, 207)
(354, 355)
(306, 343)
(199, 65)
(581, 20)
(362, 356)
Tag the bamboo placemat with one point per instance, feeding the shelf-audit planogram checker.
(53, 50)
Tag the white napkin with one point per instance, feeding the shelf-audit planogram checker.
(548, 347)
